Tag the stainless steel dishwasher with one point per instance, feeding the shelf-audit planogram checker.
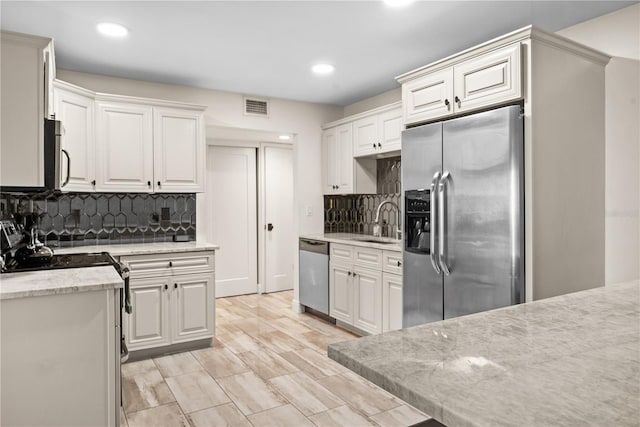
(314, 274)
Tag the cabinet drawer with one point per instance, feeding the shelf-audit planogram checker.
(367, 257)
(169, 264)
(491, 78)
(392, 262)
(340, 253)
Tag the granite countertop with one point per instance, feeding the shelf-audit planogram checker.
(572, 360)
(61, 281)
(141, 248)
(357, 240)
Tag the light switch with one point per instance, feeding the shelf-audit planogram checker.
(309, 211)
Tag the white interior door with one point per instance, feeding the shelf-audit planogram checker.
(278, 218)
(232, 198)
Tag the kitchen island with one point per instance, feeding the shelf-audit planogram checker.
(572, 360)
(60, 352)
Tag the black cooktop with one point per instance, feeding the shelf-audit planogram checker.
(64, 261)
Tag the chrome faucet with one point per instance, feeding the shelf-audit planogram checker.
(376, 228)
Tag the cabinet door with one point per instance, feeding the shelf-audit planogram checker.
(344, 146)
(390, 130)
(489, 79)
(428, 97)
(125, 147)
(22, 102)
(340, 292)
(192, 307)
(75, 111)
(148, 325)
(391, 302)
(365, 136)
(329, 161)
(367, 291)
(179, 151)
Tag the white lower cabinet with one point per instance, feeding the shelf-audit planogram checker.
(364, 292)
(367, 289)
(174, 306)
(391, 302)
(148, 324)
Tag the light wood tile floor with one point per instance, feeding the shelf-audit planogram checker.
(268, 366)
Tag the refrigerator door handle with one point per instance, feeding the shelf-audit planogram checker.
(442, 223)
(433, 220)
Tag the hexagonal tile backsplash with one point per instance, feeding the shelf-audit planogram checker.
(75, 219)
(355, 213)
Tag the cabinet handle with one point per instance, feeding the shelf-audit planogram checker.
(399, 263)
(149, 184)
(93, 182)
(349, 273)
(374, 145)
(457, 100)
(170, 263)
(354, 274)
(446, 102)
(175, 286)
(379, 145)
(159, 184)
(166, 287)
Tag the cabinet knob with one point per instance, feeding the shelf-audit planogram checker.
(349, 273)
(170, 263)
(166, 287)
(457, 100)
(149, 184)
(175, 286)
(399, 263)
(446, 102)
(93, 182)
(159, 184)
(379, 145)
(374, 145)
(354, 274)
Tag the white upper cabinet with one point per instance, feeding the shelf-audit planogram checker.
(488, 79)
(472, 82)
(344, 158)
(76, 110)
(178, 150)
(123, 144)
(329, 161)
(365, 136)
(377, 133)
(125, 147)
(26, 70)
(428, 97)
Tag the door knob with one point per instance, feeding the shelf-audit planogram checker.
(269, 227)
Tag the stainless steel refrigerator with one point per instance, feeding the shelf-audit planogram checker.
(463, 200)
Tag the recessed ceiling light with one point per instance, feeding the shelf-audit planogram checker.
(284, 137)
(323, 68)
(112, 30)
(398, 3)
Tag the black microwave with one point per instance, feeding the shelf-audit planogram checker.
(53, 152)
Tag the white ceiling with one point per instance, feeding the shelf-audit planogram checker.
(266, 48)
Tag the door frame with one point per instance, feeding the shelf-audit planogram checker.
(262, 213)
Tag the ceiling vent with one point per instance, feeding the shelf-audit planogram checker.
(256, 107)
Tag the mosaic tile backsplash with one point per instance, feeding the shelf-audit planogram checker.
(356, 213)
(76, 219)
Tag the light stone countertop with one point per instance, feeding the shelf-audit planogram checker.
(141, 248)
(572, 360)
(357, 240)
(60, 281)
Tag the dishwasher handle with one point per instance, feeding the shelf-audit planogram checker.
(316, 246)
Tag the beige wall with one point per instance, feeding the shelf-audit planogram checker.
(384, 98)
(618, 34)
